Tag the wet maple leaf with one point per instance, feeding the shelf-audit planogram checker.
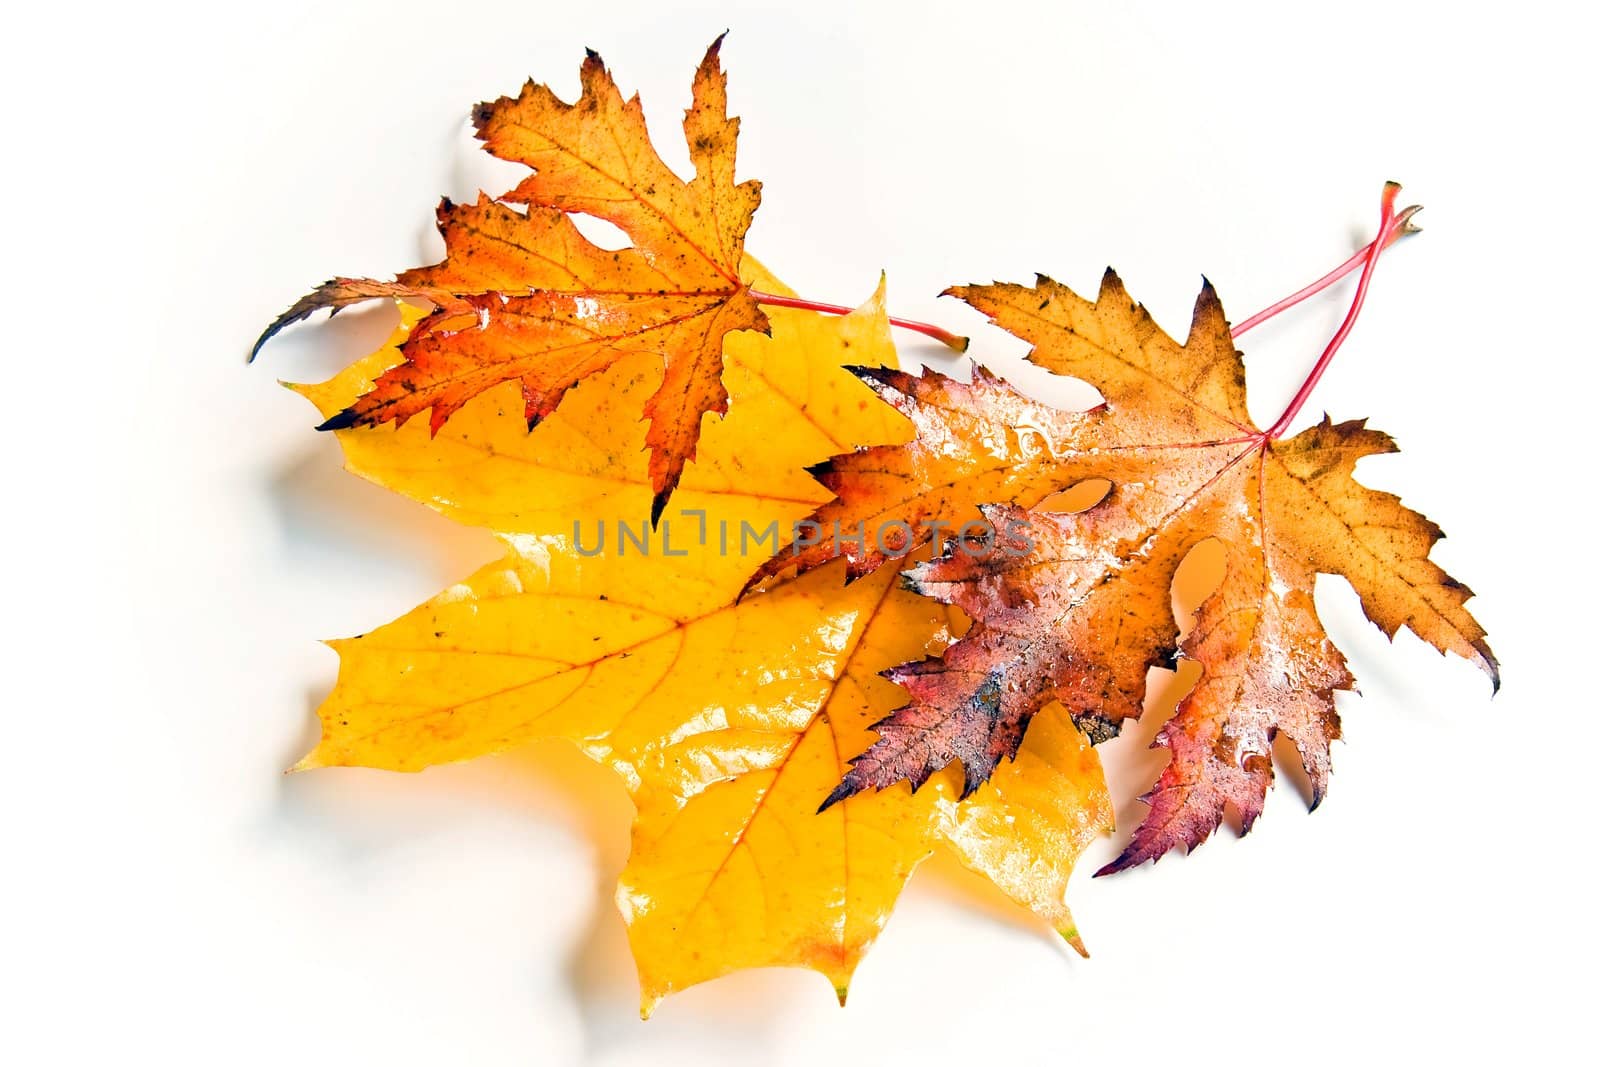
(1076, 608)
(522, 296)
(728, 723)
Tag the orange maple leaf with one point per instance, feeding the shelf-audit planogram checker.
(1076, 608)
(523, 296)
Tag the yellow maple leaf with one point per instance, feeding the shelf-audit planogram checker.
(729, 723)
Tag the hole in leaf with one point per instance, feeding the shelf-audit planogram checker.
(1199, 575)
(600, 233)
(1080, 497)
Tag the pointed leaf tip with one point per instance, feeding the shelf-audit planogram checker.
(340, 420)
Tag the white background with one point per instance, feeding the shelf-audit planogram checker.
(177, 536)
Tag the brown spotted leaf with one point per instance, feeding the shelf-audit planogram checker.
(522, 296)
(1076, 608)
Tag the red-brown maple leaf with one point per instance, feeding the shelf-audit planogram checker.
(1076, 608)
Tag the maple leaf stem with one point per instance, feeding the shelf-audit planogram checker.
(1389, 227)
(938, 333)
(1349, 265)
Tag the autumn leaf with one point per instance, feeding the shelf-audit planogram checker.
(728, 722)
(1075, 609)
(484, 468)
(522, 296)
